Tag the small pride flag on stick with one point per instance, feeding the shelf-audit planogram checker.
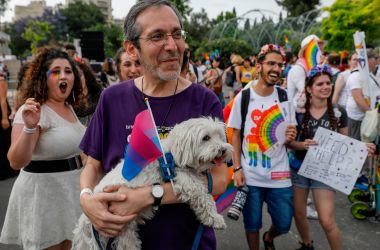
(144, 147)
(312, 54)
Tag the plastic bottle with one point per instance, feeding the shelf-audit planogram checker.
(238, 203)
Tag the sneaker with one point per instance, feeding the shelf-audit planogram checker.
(306, 247)
(311, 213)
(268, 245)
(309, 201)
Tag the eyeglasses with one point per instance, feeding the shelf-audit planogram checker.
(273, 63)
(161, 38)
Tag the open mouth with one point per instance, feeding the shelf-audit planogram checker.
(218, 160)
(274, 76)
(63, 87)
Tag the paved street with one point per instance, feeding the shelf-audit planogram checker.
(355, 234)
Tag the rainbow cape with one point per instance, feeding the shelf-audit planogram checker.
(144, 146)
(312, 54)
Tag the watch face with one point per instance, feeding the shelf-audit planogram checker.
(157, 191)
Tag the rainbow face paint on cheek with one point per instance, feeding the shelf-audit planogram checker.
(53, 74)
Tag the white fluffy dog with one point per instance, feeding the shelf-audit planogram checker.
(196, 145)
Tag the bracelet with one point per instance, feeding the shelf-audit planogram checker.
(86, 191)
(237, 169)
(30, 130)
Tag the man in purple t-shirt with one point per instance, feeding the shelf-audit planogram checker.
(154, 36)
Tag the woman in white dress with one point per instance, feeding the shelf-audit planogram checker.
(44, 202)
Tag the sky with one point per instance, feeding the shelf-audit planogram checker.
(212, 7)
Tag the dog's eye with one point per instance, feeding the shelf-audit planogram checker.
(206, 138)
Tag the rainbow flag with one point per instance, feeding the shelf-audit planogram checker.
(224, 200)
(144, 146)
(312, 54)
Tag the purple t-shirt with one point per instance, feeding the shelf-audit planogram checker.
(174, 226)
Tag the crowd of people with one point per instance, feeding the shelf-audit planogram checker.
(69, 126)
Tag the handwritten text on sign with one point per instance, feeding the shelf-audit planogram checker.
(335, 161)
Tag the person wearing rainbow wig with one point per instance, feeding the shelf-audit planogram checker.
(267, 176)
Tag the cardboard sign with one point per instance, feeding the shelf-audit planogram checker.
(335, 161)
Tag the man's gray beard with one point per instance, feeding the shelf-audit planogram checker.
(158, 73)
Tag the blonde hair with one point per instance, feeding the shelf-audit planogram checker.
(236, 59)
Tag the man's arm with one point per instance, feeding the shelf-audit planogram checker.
(357, 94)
(339, 86)
(239, 179)
(95, 206)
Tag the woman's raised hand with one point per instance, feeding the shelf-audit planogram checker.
(31, 113)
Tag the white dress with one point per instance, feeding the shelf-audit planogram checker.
(44, 207)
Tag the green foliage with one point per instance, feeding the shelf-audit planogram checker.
(18, 45)
(81, 16)
(182, 6)
(346, 17)
(113, 37)
(226, 47)
(38, 34)
(197, 28)
(296, 8)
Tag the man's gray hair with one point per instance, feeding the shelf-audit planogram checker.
(132, 30)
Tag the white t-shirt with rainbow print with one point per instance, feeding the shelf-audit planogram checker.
(263, 116)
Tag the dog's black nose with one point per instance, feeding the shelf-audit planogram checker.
(222, 151)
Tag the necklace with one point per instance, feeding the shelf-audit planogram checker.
(161, 129)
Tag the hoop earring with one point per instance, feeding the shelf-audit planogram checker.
(73, 97)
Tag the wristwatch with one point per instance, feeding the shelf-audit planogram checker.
(157, 193)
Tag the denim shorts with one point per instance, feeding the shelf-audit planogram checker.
(280, 207)
(306, 183)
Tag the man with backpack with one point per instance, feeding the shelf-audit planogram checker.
(267, 178)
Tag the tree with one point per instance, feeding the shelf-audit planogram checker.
(81, 16)
(296, 8)
(247, 25)
(197, 28)
(182, 6)
(346, 17)
(18, 44)
(38, 34)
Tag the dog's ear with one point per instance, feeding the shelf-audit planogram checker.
(183, 143)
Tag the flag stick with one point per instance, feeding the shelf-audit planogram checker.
(159, 141)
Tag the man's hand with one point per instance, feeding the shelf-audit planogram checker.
(239, 178)
(96, 208)
(135, 199)
(290, 133)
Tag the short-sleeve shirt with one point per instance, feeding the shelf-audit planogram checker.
(354, 82)
(259, 169)
(323, 122)
(173, 226)
(59, 138)
(296, 82)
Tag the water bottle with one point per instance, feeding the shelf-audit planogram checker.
(238, 203)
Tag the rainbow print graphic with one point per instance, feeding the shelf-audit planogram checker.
(267, 127)
(312, 54)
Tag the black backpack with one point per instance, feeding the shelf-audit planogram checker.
(230, 77)
(245, 95)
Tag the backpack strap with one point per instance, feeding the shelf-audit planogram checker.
(245, 96)
(282, 94)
